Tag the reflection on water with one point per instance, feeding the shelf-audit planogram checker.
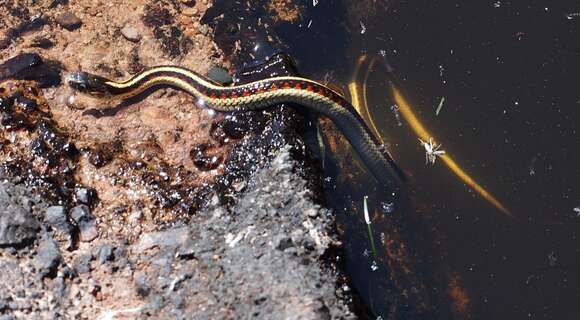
(509, 74)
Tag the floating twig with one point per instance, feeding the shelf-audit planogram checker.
(440, 106)
(369, 227)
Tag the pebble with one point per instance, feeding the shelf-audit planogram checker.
(131, 33)
(48, 257)
(87, 223)
(282, 242)
(69, 21)
(204, 29)
(86, 195)
(190, 12)
(56, 217)
(312, 212)
(120, 252)
(105, 253)
(17, 227)
(82, 263)
(172, 238)
(142, 287)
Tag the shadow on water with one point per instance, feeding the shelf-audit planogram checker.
(509, 74)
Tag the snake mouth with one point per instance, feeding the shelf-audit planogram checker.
(88, 84)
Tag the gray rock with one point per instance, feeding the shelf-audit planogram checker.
(120, 252)
(171, 238)
(80, 212)
(311, 212)
(56, 218)
(86, 222)
(48, 257)
(69, 21)
(131, 33)
(141, 286)
(60, 287)
(86, 195)
(4, 196)
(282, 242)
(219, 75)
(105, 253)
(17, 226)
(82, 263)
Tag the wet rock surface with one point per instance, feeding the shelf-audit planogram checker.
(239, 249)
(261, 259)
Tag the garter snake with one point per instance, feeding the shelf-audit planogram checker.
(257, 95)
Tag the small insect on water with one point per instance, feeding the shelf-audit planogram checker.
(431, 150)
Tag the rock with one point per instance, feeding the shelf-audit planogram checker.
(131, 33)
(120, 252)
(190, 12)
(311, 212)
(17, 226)
(105, 253)
(82, 263)
(48, 257)
(282, 242)
(86, 196)
(203, 29)
(86, 222)
(56, 218)
(188, 249)
(59, 286)
(171, 238)
(20, 64)
(219, 75)
(141, 286)
(69, 21)
(4, 196)
(41, 42)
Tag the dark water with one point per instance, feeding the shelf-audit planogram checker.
(510, 75)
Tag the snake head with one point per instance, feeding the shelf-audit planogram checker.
(89, 84)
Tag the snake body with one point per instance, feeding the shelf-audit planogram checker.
(257, 95)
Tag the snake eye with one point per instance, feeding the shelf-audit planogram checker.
(78, 81)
